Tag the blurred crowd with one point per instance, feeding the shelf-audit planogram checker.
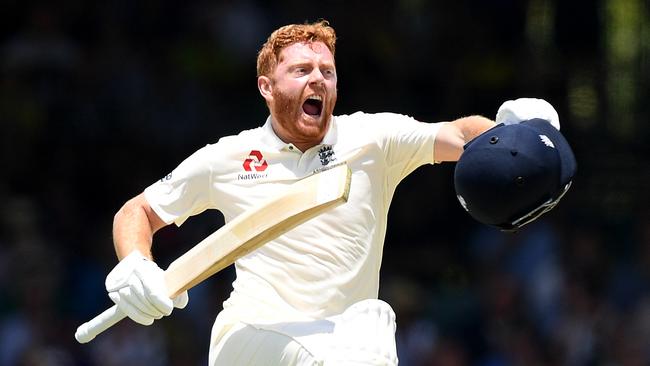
(97, 101)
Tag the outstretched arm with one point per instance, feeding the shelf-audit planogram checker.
(454, 135)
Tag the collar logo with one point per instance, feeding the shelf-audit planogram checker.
(255, 162)
(326, 155)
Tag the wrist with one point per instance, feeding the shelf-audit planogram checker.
(473, 126)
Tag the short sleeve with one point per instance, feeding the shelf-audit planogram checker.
(406, 142)
(184, 192)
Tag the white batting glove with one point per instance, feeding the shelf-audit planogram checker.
(522, 109)
(137, 286)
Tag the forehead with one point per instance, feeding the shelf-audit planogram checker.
(306, 51)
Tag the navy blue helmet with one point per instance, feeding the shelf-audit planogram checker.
(512, 174)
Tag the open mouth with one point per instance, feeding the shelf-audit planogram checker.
(313, 106)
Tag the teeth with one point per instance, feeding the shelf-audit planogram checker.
(315, 97)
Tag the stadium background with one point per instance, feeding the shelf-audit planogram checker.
(99, 99)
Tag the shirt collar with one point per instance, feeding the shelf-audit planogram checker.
(270, 138)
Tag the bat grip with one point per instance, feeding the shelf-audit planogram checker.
(90, 329)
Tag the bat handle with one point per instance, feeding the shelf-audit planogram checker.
(90, 329)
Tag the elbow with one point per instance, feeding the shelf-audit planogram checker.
(137, 209)
(132, 209)
(127, 210)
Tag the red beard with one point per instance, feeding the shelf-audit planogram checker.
(287, 109)
(289, 114)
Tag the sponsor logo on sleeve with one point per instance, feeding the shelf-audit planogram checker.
(166, 178)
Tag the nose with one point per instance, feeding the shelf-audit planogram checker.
(316, 76)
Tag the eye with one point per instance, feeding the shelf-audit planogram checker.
(329, 72)
(300, 70)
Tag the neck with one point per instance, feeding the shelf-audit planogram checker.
(302, 144)
(302, 139)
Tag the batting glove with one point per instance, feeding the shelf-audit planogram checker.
(137, 286)
(522, 109)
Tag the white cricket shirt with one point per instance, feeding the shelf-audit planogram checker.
(328, 263)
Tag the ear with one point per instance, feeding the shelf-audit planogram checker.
(265, 87)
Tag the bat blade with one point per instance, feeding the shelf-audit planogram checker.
(300, 202)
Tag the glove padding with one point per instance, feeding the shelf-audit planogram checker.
(137, 286)
(523, 109)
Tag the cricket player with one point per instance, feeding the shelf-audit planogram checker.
(310, 296)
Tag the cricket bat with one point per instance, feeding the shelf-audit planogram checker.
(301, 201)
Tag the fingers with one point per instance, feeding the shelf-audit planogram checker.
(522, 109)
(131, 311)
(154, 289)
(137, 286)
(180, 301)
(137, 296)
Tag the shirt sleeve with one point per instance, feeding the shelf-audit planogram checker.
(185, 191)
(406, 142)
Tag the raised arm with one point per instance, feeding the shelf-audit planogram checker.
(454, 135)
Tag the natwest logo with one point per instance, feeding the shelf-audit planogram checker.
(255, 162)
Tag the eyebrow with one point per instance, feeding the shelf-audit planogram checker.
(305, 62)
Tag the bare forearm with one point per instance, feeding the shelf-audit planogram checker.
(472, 126)
(454, 135)
(133, 228)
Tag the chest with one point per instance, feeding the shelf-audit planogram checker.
(265, 173)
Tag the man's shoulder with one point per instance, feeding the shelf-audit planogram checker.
(370, 123)
(229, 146)
(361, 117)
(350, 123)
(244, 135)
(352, 118)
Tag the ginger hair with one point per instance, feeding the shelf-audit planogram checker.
(268, 57)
